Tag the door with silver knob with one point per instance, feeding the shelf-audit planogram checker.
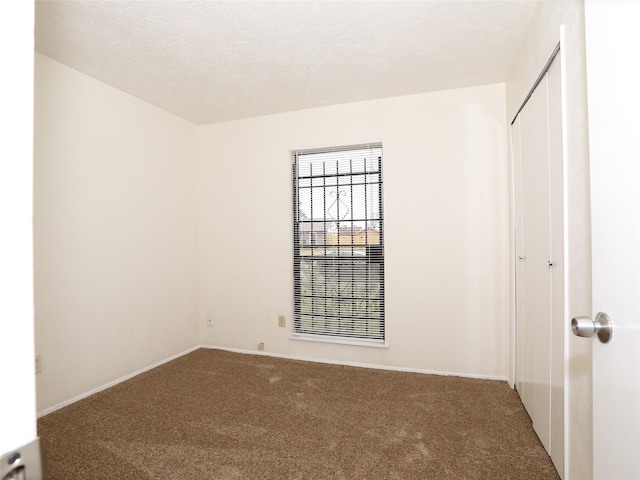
(601, 326)
(614, 126)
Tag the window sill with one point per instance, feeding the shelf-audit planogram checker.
(358, 342)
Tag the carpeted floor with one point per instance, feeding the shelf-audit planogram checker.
(220, 415)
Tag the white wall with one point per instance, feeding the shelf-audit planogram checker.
(18, 397)
(446, 229)
(115, 233)
(542, 36)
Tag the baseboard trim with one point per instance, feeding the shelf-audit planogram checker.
(357, 364)
(265, 354)
(66, 403)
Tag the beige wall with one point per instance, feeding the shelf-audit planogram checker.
(542, 37)
(446, 189)
(115, 239)
(115, 233)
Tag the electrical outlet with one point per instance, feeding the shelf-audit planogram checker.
(209, 321)
(38, 363)
(261, 346)
(281, 321)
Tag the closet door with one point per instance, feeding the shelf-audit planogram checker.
(535, 238)
(519, 251)
(559, 318)
(539, 246)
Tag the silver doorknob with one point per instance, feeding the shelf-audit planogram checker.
(601, 326)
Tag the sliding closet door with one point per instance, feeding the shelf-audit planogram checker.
(519, 250)
(536, 241)
(539, 245)
(559, 319)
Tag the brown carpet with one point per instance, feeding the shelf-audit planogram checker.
(218, 415)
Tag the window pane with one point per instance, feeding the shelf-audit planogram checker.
(338, 251)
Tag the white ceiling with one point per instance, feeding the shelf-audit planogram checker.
(210, 61)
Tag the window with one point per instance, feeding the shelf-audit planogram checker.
(338, 258)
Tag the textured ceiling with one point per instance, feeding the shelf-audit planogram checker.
(210, 61)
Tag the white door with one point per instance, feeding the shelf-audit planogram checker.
(533, 293)
(613, 39)
(539, 224)
(17, 365)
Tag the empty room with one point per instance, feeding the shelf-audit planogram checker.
(319, 240)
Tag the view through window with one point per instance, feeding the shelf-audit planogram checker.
(338, 242)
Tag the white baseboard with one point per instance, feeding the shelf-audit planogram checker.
(357, 364)
(114, 382)
(266, 354)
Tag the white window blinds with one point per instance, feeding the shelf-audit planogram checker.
(339, 243)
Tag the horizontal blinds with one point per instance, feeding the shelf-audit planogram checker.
(339, 243)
